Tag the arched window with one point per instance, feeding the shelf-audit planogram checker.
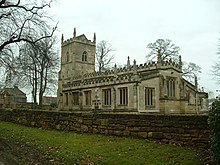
(84, 56)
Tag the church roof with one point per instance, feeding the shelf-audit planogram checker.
(82, 37)
(13, 91)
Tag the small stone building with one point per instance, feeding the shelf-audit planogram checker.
(49, 100)
(12, 97)
(150, 87)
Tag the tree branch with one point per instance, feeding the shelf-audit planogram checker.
(15, 39)
(33, 10)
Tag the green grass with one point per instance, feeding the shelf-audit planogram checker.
(97, 149)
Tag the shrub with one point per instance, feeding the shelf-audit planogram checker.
(214, 123)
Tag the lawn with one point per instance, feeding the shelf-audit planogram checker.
(73, 148)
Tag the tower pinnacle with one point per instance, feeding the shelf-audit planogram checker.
(128, 62)
(94, 38)
(74, 33)
(62, 38)
(180, 62)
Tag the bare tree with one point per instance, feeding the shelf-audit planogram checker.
(26, 69)
(166, 51)
(190, 71)
(19, 22)
(103, 56)
(216, 66)
(48, 67)
(37, 67)
(216, 71)
(164, 48)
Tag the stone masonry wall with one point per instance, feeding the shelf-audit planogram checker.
(184, 130)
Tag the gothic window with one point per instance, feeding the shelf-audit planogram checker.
(171, 87)
(75, 98)
(84, 56)
(87, 97)
(123, 96)
(67, 57)
(150, 96)
(107, 97)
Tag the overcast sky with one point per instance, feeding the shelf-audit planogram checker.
(193, 25)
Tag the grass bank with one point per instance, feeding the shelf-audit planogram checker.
(71, 148)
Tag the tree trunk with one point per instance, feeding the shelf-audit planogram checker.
(35, 86)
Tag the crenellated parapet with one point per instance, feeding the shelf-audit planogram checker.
(81, 39)
(127, 74)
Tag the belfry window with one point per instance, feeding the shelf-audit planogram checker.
(171, 87)
(84, 56)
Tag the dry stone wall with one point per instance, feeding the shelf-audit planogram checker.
(184, 130)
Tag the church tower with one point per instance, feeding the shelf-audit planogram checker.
(77, 56)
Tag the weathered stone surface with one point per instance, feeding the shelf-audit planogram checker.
(134, 134)
(142, 134)
(185, 130)
(87, 122)
(58, 127)
(95, 130)
(126, 132)
(104, 122)
(155, 135)
(84, 128)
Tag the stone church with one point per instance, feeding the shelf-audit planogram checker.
(154, 87)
